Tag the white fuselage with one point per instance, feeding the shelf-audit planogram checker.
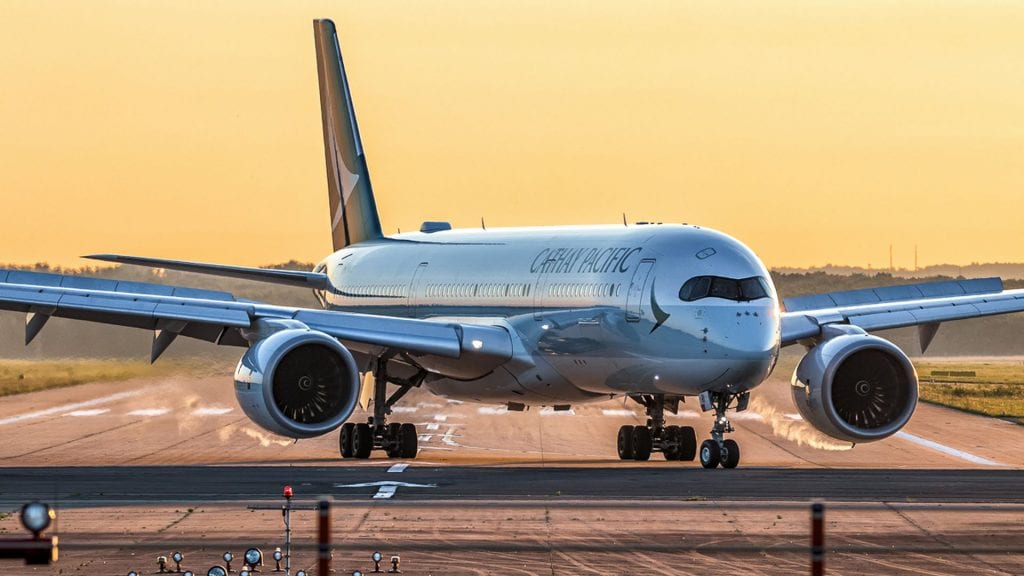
(594, 311)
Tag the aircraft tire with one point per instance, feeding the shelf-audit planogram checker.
(345, 439)
(392, 439)
(362, 441)
(687, 443)
(408, 441)
(670, 443)
(710, 455)
(641, 443)
(625, 443)
(730, 454)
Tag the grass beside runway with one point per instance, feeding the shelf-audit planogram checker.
(988, 388)
(23, 376)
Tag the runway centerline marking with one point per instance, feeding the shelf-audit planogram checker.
(549, 411)
(617, 412)
(92, 412)
(398, 467)
(947, 450)
(385, 488)
(385, 492)
(149, 412)
(68, 407)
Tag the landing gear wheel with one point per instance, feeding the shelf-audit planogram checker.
(730, 454)
(670, 443)
(687, 444)
(407, 441)
(625, 443)
(362, 441)
(345, 439)
(392, 440)
(710, 455)
(641, 443)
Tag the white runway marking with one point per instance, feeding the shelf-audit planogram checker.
(93, 412)
(440, 417)
(67, 407)
(398, 467)
(684, 414)
(617, 412)
(385, 492)
(386, 488)
(433, 426)
(211, 411)
(549, 411)
(794, 416)
(449, 437)
(149, 412)
(947, 450)
(404, 409)
(492, 410)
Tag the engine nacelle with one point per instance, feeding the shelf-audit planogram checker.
(855, 387)
(298, 383)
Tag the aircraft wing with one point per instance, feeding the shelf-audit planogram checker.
(922, 305)
(313, 280)
(221, 318)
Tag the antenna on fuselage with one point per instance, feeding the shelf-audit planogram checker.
(624, 219)
(482, 225)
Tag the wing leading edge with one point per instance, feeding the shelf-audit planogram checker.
(923, 305)
(312, 280)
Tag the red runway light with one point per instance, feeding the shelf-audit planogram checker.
(287, 491)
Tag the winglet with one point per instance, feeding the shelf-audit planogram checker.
(354, 215)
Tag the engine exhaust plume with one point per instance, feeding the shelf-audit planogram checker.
(797, 431)
(265, 440)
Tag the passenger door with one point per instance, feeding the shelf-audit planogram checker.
(415, 295)
(638, 286)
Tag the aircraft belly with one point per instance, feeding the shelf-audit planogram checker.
(501, 386)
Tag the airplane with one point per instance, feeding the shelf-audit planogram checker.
(544, 316)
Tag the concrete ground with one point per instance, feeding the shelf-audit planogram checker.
(140, 468)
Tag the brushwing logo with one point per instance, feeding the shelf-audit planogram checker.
(346, 179)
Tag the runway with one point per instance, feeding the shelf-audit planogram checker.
(422, 483)
(148, 466)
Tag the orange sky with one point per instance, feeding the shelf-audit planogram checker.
(814, 131)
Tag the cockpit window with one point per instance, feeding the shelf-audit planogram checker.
(727, 288)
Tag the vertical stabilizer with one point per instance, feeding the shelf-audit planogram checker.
(353, 210)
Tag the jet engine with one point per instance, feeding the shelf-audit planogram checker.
(298, 383)
(855, 387)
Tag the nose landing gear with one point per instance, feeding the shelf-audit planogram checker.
(717, 450)
(674, 442)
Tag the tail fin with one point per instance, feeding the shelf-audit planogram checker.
(353, 210)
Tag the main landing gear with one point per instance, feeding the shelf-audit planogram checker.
(718, 451)
(674, 442)
(397, 440)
